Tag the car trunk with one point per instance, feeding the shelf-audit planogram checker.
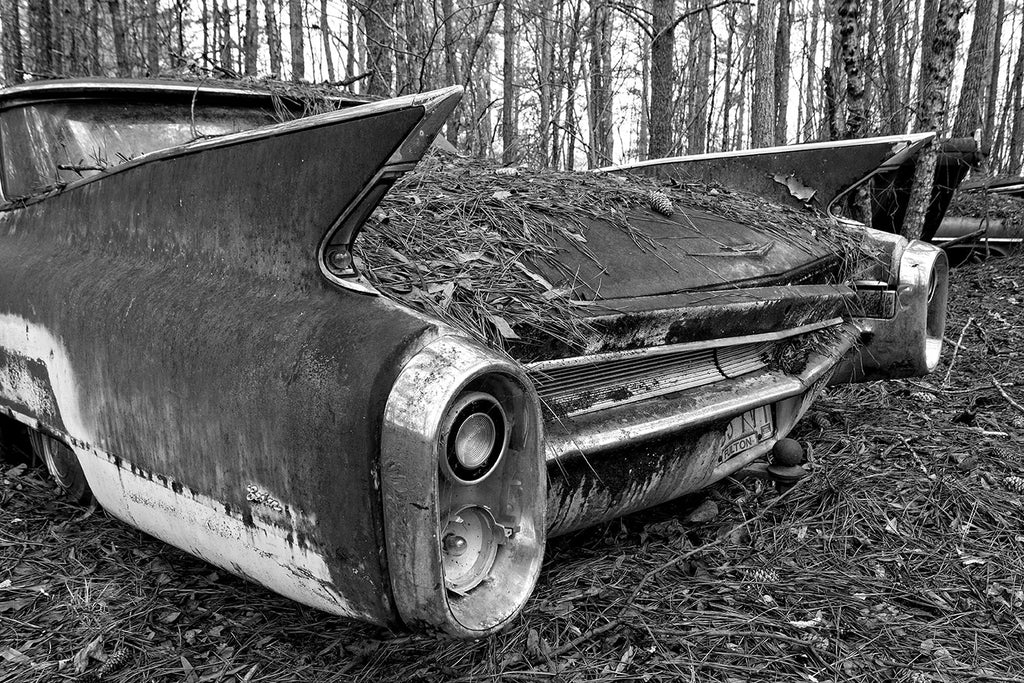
(688, 251)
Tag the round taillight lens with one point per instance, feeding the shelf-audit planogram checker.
(474, 436)
(475, 440)
(469, 546)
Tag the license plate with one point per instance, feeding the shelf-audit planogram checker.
(747, 430)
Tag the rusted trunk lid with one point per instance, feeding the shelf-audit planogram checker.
(690, 250)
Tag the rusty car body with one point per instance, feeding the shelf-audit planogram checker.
(187, 335)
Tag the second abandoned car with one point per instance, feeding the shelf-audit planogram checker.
(382, 428)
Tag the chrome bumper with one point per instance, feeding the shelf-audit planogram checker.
(908, 341)
(636, 456)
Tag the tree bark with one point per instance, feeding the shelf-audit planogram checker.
(992, 101)
(892, 107)
(251, 42)
(848, 12)
(509, 96)
(40, 34)
(379, 18)
(730, 25)
(970, 111)
(700, 48)
(1016, 101)
(936, 74)
(152, 38)
(782, 66)
(14, 65)
(810, 72)
(600, 105)
(325, 32)
(662, 78)
(545, 78)
(762, 104)
(226, 58)
(117, 28)
(297, 39)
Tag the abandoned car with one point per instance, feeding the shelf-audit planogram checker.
(240, 329)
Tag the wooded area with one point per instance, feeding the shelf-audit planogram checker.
(583, 82)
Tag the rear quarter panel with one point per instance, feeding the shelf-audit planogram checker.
(221, 396)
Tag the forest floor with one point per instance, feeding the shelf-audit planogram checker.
(900, 559)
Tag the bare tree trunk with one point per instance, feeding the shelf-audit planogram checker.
(251, 41)
(273, 36)
(117, 27)
(545, 76)
(929, 19)
(10, 23)
(508, 100)
(452, 72)
(700, 48)
(350, 28)
(662, 78)
(992, 101)
(830, 125)
(730, 24)
(1016, 102)
(869, 61)
(745, 70)
(379, 18)
(848, 12)
(782, 66)
(204, 20)
(297, 39)
(40, 37)
(600, 104)
(762, 105)
(325, 32)
(152, 38)
(571, 82)
(936, 74)
(892, 87)
(971, 110)
(226, 59)
(94, 37)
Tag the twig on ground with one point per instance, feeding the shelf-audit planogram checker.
(956, 350)
(1008, 398)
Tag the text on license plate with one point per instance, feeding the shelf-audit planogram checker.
(747, 430)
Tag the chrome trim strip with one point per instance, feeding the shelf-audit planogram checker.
(631, 425)
(541, 366)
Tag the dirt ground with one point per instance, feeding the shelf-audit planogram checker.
(900, 559)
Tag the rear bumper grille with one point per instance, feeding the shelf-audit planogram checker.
(577, 386)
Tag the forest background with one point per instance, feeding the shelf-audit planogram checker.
(582, 83)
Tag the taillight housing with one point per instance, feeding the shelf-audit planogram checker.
(463, 486)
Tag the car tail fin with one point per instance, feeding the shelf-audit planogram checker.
(815, 173)
(334, 254)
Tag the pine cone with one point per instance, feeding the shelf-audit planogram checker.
(660, 203)
(1015, 484)
(116, 661)
(763, 575)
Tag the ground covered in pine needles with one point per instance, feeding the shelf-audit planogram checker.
(900, 559)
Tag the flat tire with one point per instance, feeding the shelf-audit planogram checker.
(63, 466)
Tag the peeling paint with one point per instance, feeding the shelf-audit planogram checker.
(796, 187)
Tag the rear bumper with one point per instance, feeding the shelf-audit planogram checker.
(622, 460)
(907, 341)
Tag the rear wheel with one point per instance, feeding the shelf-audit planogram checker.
(63, 465)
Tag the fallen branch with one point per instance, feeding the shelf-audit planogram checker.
(1008, 398)
(956, 350)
